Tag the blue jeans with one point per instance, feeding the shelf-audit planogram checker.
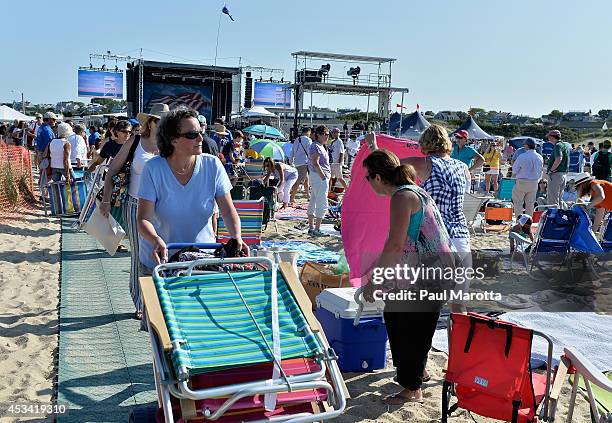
(58, 174)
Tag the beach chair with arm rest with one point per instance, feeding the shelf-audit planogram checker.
(471, 208)
(238, 346)
(251, 221)
(488, 367)
(597, 385)
(504, 191)
(269, 194)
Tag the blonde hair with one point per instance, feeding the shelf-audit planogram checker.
(435, 140)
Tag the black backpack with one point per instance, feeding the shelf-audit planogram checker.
(601, 166)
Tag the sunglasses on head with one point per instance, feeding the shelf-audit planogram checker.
(191, 135)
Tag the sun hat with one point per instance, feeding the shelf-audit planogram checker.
(581, 178)
(462, 134)
(554, 133)
(523, 219)
(530, 142)
(63, 130)
(37, 115)
(157, 111)
(220, 129)
(50, 115)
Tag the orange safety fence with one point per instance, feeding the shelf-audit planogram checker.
(16, 179)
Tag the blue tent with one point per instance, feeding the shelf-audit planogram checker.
(413, 125)
(476, 133)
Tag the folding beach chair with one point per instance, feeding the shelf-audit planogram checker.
(94, 184)
(253, 169)
(66, 198)
(598, 386)
(269, 195)
(471, 208)
(488, 367)
(504, 191)
(238, 346)
(497, 212)
(251, 221)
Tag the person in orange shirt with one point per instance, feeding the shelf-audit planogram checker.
(601, 196)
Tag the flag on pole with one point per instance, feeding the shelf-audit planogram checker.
(226, 11)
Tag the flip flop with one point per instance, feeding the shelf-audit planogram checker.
(397, 399)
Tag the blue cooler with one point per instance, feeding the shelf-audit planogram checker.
(357, 334)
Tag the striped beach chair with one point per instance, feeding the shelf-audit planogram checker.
(237, 346)
(67, 199)
(251, 221)
(254, 169)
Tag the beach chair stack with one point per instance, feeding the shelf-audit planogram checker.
(489, 370)
(238, 346)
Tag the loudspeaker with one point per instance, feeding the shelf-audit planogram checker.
(248, 91)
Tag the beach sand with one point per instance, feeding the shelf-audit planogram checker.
(29, 279)
(29, 275)
(368, 389)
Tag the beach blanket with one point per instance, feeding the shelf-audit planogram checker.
(589, 333)
(307, 250)
(291, 213)
(365, 216)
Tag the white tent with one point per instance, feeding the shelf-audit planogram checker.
(257, 112)
(9, 114)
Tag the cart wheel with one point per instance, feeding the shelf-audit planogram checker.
(143, 414)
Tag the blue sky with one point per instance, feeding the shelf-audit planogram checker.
(522, 56)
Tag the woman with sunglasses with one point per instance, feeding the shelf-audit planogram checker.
(120, 133)
(136, 151)
(178, 191)
(319, 172)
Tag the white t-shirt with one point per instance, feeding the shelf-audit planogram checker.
(141, 156)
(336, 148)
(56, 151)
(78, 148)
(352, 146)
(182, 212)
(301, 146)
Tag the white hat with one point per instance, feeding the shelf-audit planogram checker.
(50, 115)
(581, 178)
(64, 130)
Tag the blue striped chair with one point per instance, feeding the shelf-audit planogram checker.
(251, 221)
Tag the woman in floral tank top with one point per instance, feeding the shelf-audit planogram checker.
(417, 239)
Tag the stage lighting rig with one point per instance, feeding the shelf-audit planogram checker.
(354, 73)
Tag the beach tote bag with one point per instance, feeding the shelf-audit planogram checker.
(104, 229)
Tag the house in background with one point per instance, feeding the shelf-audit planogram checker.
(447, 115)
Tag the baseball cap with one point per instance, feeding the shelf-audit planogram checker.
(134, 122)
(530, 142)
(523, 219)
(202, 120)
(554, 133)
(50, 115)
(462, 134)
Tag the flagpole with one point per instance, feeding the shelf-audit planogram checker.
(212, 97)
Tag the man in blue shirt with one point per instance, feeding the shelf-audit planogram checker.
(465, 153)
(45, 135)
(93, 137)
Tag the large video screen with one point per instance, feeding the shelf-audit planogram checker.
(100, 84)
(272, 94)
(195, 96)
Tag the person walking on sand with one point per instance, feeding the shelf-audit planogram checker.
(557, 168)
(301, 147)
(527, 169)
(336, 150)
(320, 173)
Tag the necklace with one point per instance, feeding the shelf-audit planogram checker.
(185, 171)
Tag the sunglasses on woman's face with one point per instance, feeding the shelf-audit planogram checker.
(191, 135)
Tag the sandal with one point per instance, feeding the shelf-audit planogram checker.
(399, 400)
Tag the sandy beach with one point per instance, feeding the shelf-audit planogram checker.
(29, 277)
(29, 274)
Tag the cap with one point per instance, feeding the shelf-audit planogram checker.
(581, 178)
(530, 142)
(202, 120)
(554, 133)
(462, 133)
(50, 115)
(37, 115)
(335, 130)
(134, 122)
(523, 219)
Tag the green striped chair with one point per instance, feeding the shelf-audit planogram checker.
(251, 221)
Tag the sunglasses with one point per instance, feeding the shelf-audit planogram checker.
(125, 131)
(191, 135)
